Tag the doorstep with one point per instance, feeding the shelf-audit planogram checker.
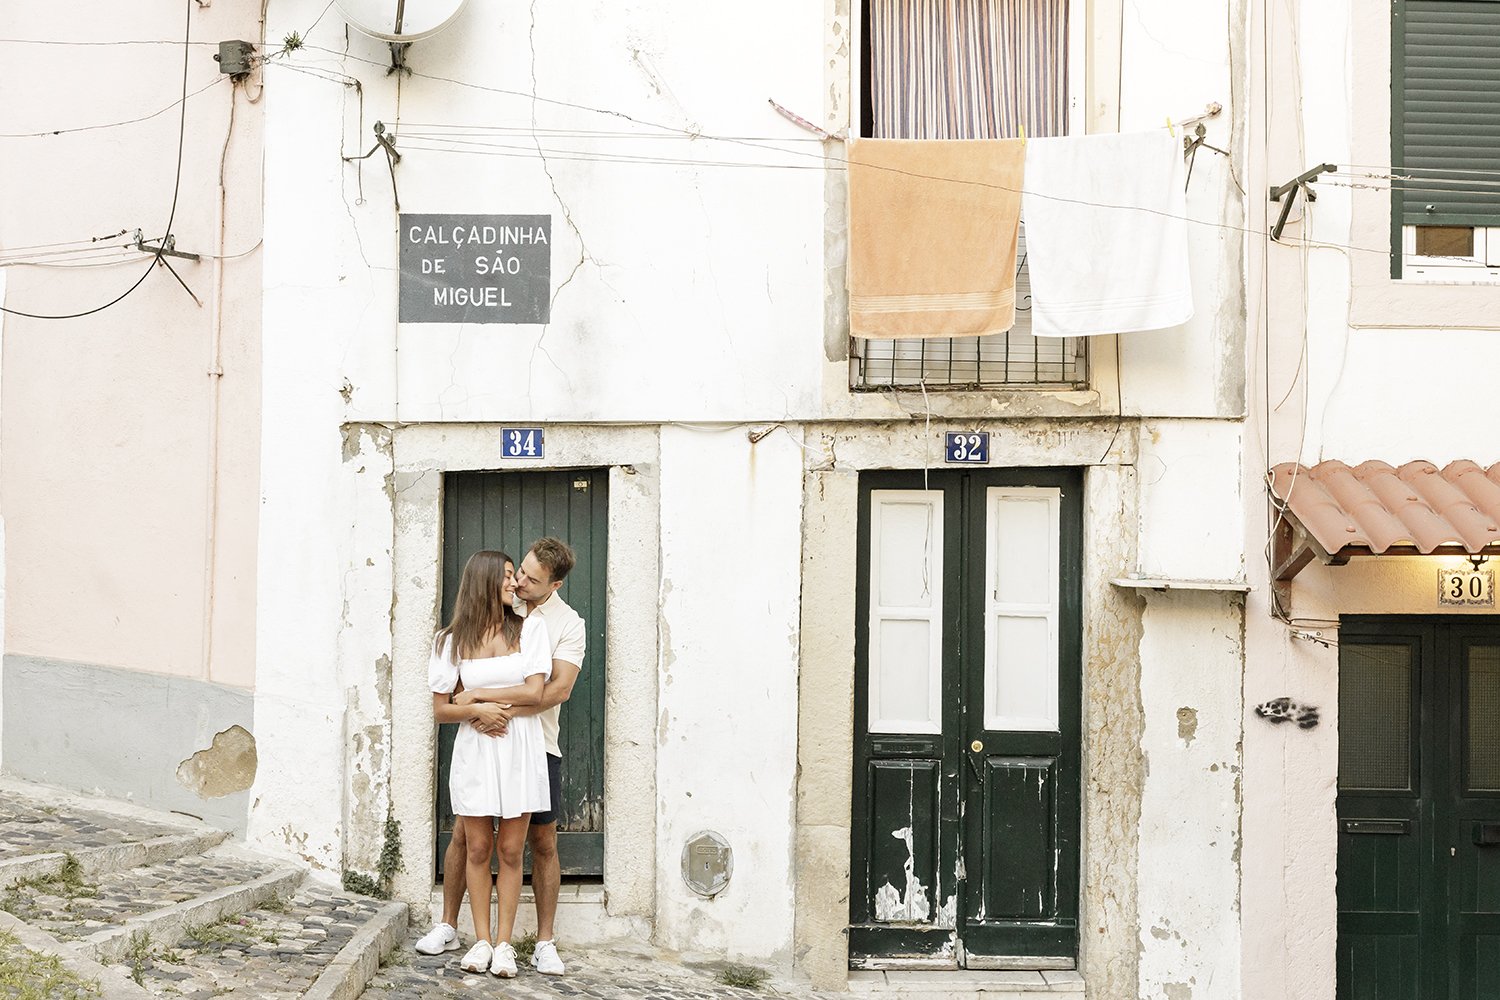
(583, 917)
(969, 985)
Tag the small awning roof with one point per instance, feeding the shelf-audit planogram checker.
(1334, 511)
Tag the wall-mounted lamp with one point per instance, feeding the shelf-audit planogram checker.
(1478, 561)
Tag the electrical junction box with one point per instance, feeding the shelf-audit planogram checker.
(235, 57)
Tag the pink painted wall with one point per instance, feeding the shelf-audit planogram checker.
(128, 542)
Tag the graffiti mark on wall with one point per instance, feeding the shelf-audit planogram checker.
(1279, 710)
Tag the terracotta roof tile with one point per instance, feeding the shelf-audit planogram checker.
(1378, 506)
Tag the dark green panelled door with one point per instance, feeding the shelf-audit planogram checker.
(1419, 808)
(967, 749)
(509, 511)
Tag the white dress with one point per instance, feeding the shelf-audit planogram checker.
(498, 775)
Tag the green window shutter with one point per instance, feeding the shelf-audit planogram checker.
(1446, 90)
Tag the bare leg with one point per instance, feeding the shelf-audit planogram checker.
(546, 877)
(455, 874)
(508, 884)
(480, 845)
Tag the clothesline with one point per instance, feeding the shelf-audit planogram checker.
(1213, 110)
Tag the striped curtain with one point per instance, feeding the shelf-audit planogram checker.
(968, 69)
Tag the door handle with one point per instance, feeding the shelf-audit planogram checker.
(977, 746)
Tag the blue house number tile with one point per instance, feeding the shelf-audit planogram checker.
(967, 447)
(521, 442)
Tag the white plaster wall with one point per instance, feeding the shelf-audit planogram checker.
(325, 348)
(705, 273)
(701, 274)
(365, 638)
(1191, 512)
(727, 733)
(1175, 60)
(1191, 661)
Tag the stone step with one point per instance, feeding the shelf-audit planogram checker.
(36, 821)
(317, 942)
(106, 859)
(159, 900)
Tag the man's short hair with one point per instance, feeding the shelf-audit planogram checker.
(556, 557)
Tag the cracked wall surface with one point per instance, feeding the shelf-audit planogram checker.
(1192, 658)
(726, 750)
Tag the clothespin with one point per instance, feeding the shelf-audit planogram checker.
(1170, 128)
(1023, 133)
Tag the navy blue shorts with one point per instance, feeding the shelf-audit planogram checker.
(554, 779)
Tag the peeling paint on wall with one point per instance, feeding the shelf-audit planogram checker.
(1187, 725)
(226, 766)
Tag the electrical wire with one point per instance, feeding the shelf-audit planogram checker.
(324, 13)
(128, 121)
(63, 243)
(121, 41)
(176, 190)
(474, 148)
(827, 162)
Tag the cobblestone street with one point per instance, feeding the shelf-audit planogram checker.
(609, 976)
(152, 908)
(274, 952)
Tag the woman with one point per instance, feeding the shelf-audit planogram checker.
(487, 646)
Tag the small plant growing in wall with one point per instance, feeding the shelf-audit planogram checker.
(379, 885)
(390, 854)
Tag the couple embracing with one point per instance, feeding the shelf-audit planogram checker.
(501, 668)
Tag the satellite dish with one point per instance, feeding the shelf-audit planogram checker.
(400, 21)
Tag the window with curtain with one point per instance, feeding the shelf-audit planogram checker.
(968, 69)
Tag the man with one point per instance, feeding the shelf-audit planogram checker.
(542, 572)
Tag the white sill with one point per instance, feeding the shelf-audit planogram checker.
(990, 985)
(1415, 273)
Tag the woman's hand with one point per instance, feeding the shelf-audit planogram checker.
(464, 698)
(491, 719)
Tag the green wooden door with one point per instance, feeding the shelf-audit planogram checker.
(967, 723)
(1419, 808)
(509, 511)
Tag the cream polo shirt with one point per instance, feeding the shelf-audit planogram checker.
(565, 629)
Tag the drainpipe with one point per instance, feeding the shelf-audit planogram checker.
(215, 376)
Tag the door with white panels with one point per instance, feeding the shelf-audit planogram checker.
(967, 729)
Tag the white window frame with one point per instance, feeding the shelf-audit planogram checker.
(994, 608)
(933, 500)
(1480, 268)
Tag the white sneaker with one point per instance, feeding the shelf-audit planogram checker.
(477, 958)
(441, 938)
(544, 959)
(504, 962)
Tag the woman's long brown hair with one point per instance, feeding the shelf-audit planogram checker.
(480, 611)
